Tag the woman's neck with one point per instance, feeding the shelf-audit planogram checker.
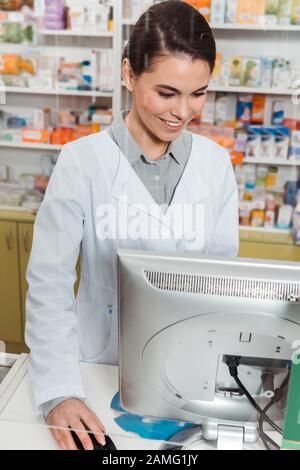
(151, 146)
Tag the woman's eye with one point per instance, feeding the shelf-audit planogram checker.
(197, 95)
(165, 95)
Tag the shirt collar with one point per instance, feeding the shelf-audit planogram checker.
(130, 148)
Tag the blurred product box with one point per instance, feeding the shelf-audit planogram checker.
(36, 136)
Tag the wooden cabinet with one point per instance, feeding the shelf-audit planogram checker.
(279, 252)
(25, 235)
(16, 234)
(11, 325)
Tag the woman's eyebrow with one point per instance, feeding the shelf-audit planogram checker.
(168, 87)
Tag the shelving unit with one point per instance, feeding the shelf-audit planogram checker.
(272, 162)
(256, 27)
(24, 157)
(57, 92)
(29, 146)
(261, 91)
(72, 33)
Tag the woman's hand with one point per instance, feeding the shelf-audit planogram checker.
(74, 414)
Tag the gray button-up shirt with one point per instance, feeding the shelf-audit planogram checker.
(161, 176)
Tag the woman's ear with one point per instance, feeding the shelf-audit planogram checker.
(127, 75)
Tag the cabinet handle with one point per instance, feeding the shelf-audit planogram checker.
(26, 241)
(9, 239)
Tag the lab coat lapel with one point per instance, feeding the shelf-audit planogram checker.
(129, 189)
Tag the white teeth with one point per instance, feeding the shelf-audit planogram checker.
(172, 124)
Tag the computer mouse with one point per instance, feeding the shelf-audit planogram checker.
(109, 445)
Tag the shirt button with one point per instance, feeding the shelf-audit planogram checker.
(156, 178)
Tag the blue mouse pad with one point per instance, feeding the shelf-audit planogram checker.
(147, 428)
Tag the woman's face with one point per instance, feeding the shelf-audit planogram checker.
(169, 95)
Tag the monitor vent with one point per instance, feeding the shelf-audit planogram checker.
(224, 286)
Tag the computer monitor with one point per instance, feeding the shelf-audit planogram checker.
(183, 316)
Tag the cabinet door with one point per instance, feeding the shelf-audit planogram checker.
(25, 242)
(10, 303)
(271, 251)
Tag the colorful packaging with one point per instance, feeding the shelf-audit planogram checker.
(295, 14)
(258, 11)
(267, 65)
(257, 218)
(217, 15)
(285, 215)
(208, 111)
(261, 174)
(225, 108)
(245, 208)
(272, 178)
(272, 7)
(281, 73)
(35, 136)
(203, 6)
(284, 12)
(244, 108)
(236, 74)
(231, 11)
(10, 64)
(259, 109)
(252, 72)
(294, 72)
(282, 141)
(216, 77)
(253, 149)
(225, 72)
(77, 18)
(244, 12)
(268, 142)
(61, 136)
(278, 113)
(295, 145)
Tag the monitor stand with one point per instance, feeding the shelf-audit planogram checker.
(214, 436)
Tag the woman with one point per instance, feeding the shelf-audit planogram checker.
(144, 162)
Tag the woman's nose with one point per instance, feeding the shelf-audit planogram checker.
(182, 111)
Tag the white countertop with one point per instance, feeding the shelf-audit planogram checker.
(22, 428)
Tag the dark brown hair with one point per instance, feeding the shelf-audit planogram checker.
(171, 26)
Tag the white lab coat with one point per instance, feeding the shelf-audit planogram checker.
(90, 172)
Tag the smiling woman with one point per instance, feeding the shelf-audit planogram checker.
(167, 64)
(145, 183)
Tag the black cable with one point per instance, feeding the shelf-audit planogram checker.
(264, 437)
(277, 396)
(233, 363)
(257, 407)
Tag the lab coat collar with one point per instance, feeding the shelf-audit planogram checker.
(191, 188)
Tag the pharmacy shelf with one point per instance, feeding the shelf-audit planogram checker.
(262, 91)
(25, 145)
(16, 209)
(239, 89)
(255, 27)
(237, 27)
(264, 230)
(43, 91)
(271, 161)
(72, 33)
